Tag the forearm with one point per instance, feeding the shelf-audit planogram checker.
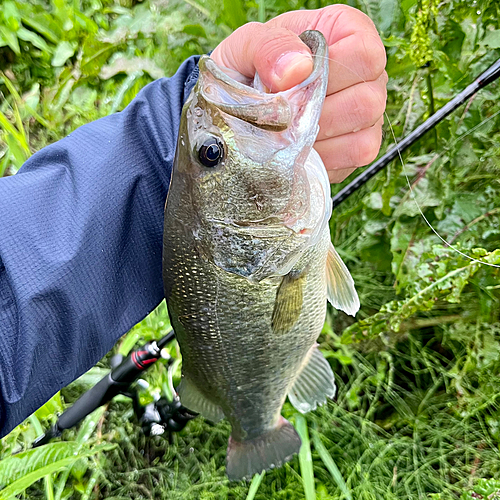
(80, 244)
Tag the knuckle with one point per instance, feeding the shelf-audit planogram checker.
(372, 56)
(275, 41)
(332, 11)
(371, 105)
(368, 146)
(368, 106)
(245, 33)
(338, 175)
(378, 101)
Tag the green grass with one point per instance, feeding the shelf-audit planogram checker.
(417, 413)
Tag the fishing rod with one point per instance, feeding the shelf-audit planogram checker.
(155, 418)
(490, 75)
(170, 416)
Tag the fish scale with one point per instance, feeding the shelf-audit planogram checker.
(233, 345)
(247, 261)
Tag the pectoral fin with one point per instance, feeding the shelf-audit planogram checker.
(315, 383)
(340, 286)
(288, 304)
(195, 401)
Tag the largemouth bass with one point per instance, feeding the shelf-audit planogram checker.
(248, 264)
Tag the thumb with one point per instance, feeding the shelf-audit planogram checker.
(277, 54)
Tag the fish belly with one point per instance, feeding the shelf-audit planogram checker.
(223, 323)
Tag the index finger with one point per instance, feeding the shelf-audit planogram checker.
(357, 53)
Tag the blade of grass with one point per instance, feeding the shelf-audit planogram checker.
(331, 465)
(20, 102)
(49, 483)
(19, 121)
(91, 485)
(86, 429)
(305, 458)
(9, 128)
(262, 11)
(128, 343)
(20, 484)
(49, 487)
(124, 87)
(201, 9)
(4, 162)
(254, 486)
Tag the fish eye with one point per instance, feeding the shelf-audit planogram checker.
(211, 152)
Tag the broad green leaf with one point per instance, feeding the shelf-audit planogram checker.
(41, 461)
(88, 426)
(492, 39)
(10, 14)
(438, 277)
(84, 97)
(234, 13)
(95, 55)
(128, 343)
(9, 38)
(91, 377)
(79, 469)
(454, 41)
(374, 201)
(131, 66)
(17, 149)
(42, 23)
(36, 40)
(51, 407)
(195, 30)
(4, 163)
(63, 96)
(127, 84)
(63, 52)
(85, 22)
(387, 12)
(422, 196)
(14, 467)
(408, 4)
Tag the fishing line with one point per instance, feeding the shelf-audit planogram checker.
(422, 213)
(449, 245)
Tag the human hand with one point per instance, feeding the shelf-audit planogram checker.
(351, 121)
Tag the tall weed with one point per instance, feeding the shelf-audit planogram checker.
(417, 414)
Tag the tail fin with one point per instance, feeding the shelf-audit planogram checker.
(273, 449)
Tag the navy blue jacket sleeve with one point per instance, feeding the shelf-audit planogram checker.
(81, 242)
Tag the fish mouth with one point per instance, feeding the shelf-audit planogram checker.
(264, 110)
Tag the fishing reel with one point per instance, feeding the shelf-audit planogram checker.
(163, 417)
(157, 418)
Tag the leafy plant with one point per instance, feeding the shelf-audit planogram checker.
(417, 412)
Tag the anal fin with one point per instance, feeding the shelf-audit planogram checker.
(340, 286)
(195, 401)
(315, 383)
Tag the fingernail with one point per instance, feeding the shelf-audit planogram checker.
(290, 61)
